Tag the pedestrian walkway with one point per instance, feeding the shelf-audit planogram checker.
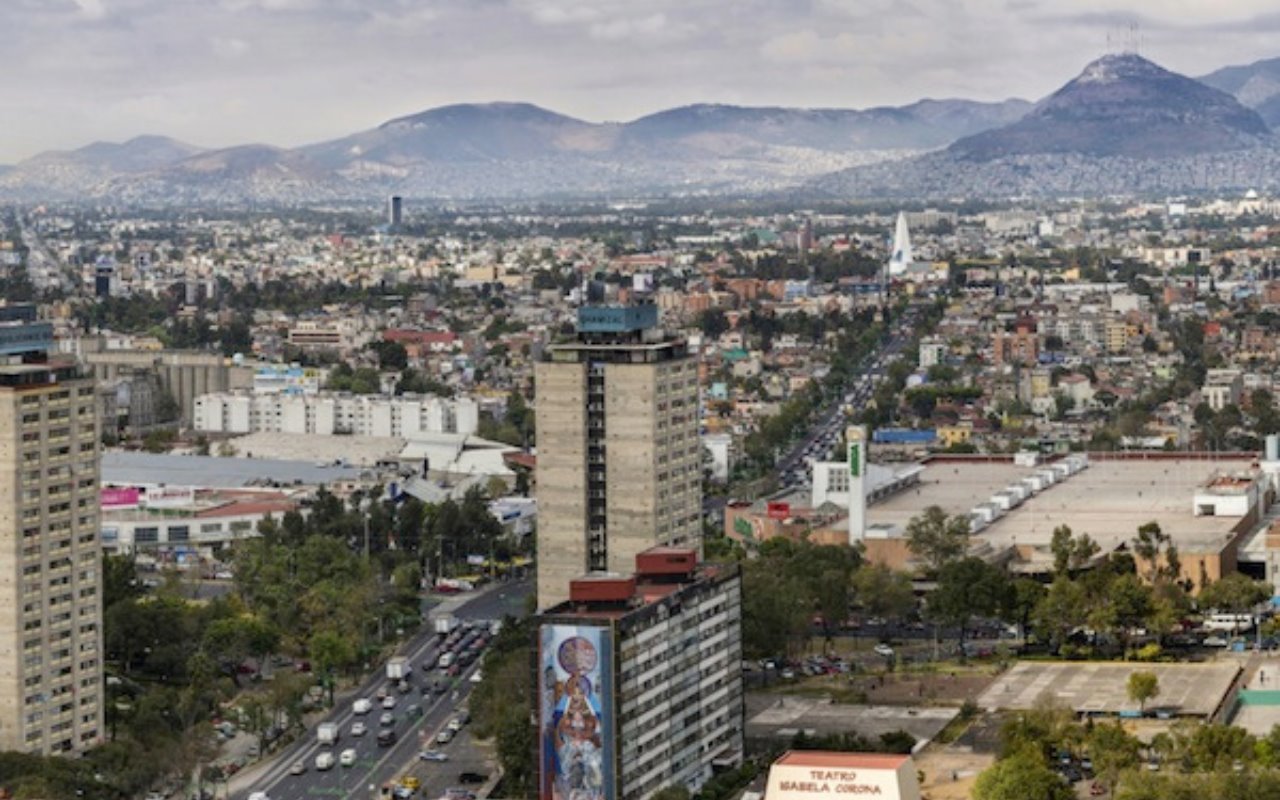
(1258, 704)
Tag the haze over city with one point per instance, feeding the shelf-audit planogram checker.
(289, 72)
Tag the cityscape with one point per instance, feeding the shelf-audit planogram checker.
(756, 425)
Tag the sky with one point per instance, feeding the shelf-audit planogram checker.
(217, 73)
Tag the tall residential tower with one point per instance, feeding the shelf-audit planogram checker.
(51, 690)
(619, 458)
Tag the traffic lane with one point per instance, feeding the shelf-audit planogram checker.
(464, 756)
(371, 757)
(404, 755)
(506, 598)
(344, 715)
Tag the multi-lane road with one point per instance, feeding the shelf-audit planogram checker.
(793, 468)
(377, 765)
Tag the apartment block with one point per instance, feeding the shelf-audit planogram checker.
(619, 458)
(51, 685)
(639, 679)
(329, 413)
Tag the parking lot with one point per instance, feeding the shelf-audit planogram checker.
(1102, 687)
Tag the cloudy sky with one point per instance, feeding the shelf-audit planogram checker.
(288, 72)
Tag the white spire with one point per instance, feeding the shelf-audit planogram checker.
(901, 258)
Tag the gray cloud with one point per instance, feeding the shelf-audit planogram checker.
(221, 72)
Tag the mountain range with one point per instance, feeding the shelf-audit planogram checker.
(1123, 124)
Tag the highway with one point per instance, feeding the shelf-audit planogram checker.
(792, 468)
(376, 765)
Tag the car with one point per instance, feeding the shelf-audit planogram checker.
(413, 712)
(389, 701)
(258, 796)
(359, 728)
(361, 706)
(387, 719)
(788, 674)
(444, 737)
(401, 792)
(386, 737)
(455, 724)
(440, 687)
(324, 761)
(885, 650)
(1215, 641)
(382, 693)
(433, 755)
(298, 767)
(412, 782)
(347, 758)
(472, 777)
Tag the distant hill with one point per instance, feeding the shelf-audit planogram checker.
(1124, 105)
(518, 149)
(1124, 125)
(1256, 85)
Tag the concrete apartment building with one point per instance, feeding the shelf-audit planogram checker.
(329, 413)
(639, 679)
(619, 458)
(51, 689)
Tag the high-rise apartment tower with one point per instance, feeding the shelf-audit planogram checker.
(619, 458)
(51, 689)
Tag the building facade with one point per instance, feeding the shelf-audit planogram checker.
(639, 680)
(329, 413)
(51, 685)
(619, 458)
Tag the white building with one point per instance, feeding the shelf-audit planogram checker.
(328, 413)
(932, 352)
(719, 447)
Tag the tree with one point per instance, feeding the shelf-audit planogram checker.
(966, 589)
(883, 592)
(1065, 608)
(1112, 750)
(1143, 686)
(1025, 774)
(937, 539)
(1070, 552)
(1149, 545)
(1236, 593)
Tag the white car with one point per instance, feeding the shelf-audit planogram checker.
(387, 720)
(389, 702)
(259, 796)
(444, 737)
(347, 758)
(358, 729)
(885, 650)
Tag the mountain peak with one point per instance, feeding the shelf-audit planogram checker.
(1125, 105)
(1115, 67)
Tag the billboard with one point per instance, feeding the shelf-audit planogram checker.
(778, 510)
(855, 459)
(118, 497)
(575, 713)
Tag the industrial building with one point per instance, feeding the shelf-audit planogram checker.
(639, 679)
(619, 460)
(51, 685)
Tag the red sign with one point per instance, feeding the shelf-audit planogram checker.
(118, 497)
(778, 510)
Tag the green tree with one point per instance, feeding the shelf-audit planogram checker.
(1235, 593)
(883, 592)
(1025, 774)
(1070, 553)
(1064, 608)
(936, 539)
(966, 589)
(1113, 751)
(1143, 686)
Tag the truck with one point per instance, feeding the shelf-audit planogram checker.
(324, 761)
(445, 625)
(398, 669)
(327, 733)
(446, 660)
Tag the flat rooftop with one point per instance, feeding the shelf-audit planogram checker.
(1102, 687)
(121, 468)
(1108, 500)
(779, 717)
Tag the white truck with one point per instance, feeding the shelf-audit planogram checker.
(445, 625)
(327, 733)
(398, 669)
(361, 706)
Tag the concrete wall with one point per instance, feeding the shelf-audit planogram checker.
(561, 419)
